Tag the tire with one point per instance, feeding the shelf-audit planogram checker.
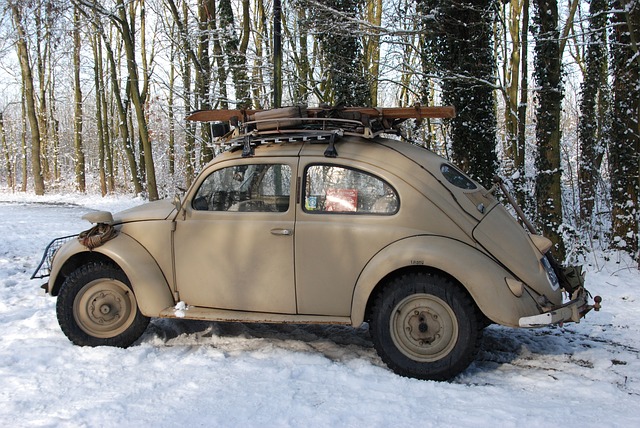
(96, 307)
(424, 326)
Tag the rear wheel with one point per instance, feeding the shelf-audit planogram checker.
(424, 326)
(96, 306)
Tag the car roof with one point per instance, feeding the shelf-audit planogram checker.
(376, 151)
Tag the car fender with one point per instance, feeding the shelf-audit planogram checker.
(481, 276)
(149, 284)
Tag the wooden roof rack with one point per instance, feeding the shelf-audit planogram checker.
(323, 124)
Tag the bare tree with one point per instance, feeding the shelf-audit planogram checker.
(122, 20)
(29, 97)
(119, 103)
(77, 123)
(7, 154)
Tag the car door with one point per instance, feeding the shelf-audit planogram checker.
(345, 217)
(234, 244)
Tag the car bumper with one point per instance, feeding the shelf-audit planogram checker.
(44, 268)
(571, 311)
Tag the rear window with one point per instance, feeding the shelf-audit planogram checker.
(335, 189)
(456, 177)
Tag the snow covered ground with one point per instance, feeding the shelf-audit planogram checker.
(185, 373)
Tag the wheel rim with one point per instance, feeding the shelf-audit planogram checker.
(104, 308)
(424, 327)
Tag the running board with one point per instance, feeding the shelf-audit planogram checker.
(208, 314)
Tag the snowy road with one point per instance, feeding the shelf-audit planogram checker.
(186, 373)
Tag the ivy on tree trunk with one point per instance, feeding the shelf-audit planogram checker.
(624, 147)
(549, 93)
(458, 48)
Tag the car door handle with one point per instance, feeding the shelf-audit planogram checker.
(284, 232)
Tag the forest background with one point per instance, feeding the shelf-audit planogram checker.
(93, 94)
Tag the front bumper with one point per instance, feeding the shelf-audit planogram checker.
(571, 311)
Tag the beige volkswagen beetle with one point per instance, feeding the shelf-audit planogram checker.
(311, 216)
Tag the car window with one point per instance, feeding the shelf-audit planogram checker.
(335, 189)
(246, 188)
(457, 178)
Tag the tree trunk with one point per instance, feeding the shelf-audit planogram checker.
(41, 65)
(277, 53)
(512, 76)
(372, 48)
(107, 132)
(122, 112)
(521, 144)
(181, 20)
(7, 154)
(23, 139)
(190, 130)
(460, 45)
(550, 93)
(138, 103)
(29, 97)
(342, 53)
(235, 56)
(592, 129)
(624, 147)
(305, 75)
(262, 52)
(100, 125)
(77, 124)
(207, 23)
(170, 104)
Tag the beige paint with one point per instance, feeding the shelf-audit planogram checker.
(237, 260)
(147, 280)
(233, 266)
(502, 237)
(481, 276)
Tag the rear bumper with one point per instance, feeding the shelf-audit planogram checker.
(571, 311)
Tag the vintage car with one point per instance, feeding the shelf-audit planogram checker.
(312, 216)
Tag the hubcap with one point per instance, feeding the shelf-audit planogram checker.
(104, 308)
(424, 327)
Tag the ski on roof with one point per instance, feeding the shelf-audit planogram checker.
(243, 127)
(389, 113)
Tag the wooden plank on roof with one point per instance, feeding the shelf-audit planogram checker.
(418, 112)
(219, 115)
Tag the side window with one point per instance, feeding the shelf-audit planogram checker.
(457, 178)
(246, 188)
(330, 188)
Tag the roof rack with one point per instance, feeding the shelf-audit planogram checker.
(248, 128)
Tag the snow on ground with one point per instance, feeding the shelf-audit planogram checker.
(186, 373)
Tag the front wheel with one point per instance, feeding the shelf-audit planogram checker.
(424, 326)
(96, 306)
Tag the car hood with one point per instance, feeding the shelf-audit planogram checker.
(158, 210)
